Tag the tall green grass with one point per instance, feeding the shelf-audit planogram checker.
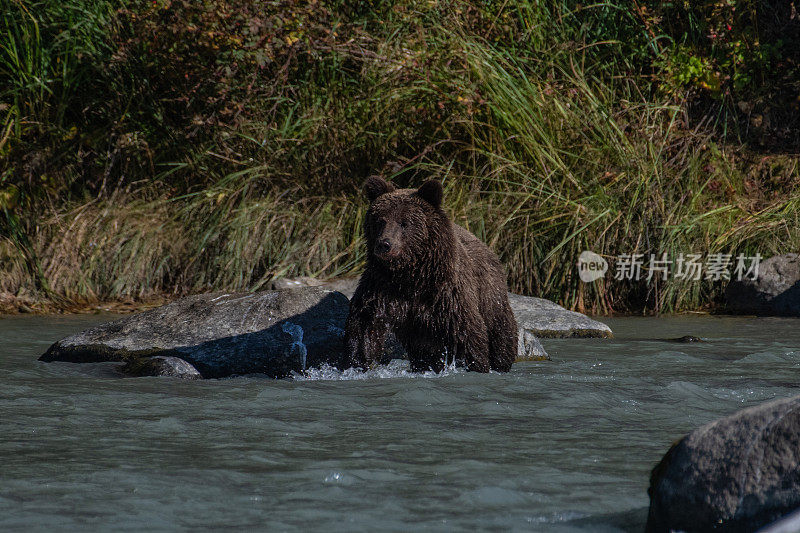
(538, 119)
(48, 53)
(140, 249)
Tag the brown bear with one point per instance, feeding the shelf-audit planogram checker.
(432, 283)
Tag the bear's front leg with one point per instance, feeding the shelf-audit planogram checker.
(365, 333)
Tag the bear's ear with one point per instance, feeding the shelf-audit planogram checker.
(431, 192)
(376, 186)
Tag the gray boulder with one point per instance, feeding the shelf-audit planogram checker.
(529, 348)
(270, 332)
(546, 319)
(346, 286)
(776, 290)
(733, 475)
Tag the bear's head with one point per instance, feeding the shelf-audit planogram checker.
(402, 225)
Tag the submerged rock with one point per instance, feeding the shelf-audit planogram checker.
(546, 319)
(733, 475)
(686, 339)
(270, 332)
(160, 365)
(775, 292)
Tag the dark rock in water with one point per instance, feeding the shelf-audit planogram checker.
(734, 475)
(160, 366)
(546, 319)
(776, 291)
(271, 332)
(685, 339)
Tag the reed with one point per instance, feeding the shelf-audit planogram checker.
(188, 174)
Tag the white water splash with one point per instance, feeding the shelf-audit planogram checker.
(397, 368)
(449, 364)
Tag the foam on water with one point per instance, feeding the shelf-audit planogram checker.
(396, 369)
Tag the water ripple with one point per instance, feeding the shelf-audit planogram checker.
(560, 446)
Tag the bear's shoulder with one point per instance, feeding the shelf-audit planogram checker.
(464, 235)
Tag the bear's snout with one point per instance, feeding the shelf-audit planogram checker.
(388, 244)
(383, 247)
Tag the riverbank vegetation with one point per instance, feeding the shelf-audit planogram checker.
(164, 147)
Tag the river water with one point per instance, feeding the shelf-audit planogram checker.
(564, 445)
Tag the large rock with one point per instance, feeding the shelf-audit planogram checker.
(776, 290)
(546, 319)
(270, 332)
(733, 475)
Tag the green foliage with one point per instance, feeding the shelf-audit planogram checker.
(174, 146)
(681, 68)
(48, 50)
(739, 47)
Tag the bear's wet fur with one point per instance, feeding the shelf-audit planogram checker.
(436, 286)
